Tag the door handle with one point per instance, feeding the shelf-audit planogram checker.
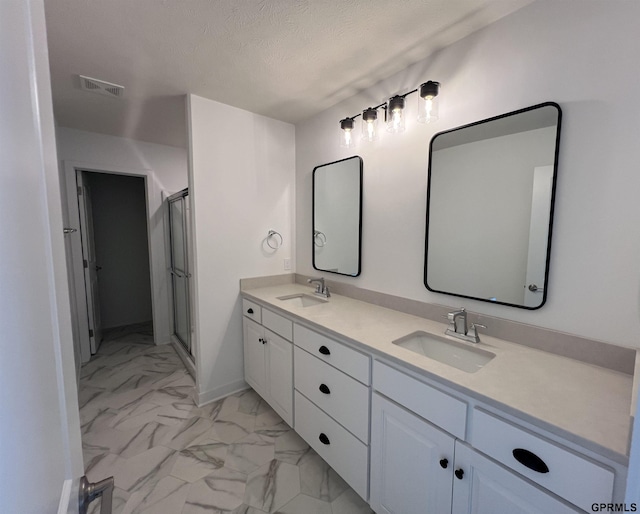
(69, 230)
(89, 491)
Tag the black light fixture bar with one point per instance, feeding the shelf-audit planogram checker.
(428, 89)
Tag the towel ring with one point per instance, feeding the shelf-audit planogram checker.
(319, 238)
(271, 234)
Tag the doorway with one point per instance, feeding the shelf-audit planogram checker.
(115, 252)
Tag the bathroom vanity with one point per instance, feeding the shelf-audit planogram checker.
(524, 431)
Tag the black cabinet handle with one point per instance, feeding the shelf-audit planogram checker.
(250, 311)
(530, 460)
(324, 350)
(459, 473)
(324, 389)
(324, 439)
(444, 463)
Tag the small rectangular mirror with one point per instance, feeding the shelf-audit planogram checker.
(337, 216)
(491, 189)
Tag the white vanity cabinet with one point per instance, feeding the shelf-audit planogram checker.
(332, 403)
(485, 487)
(416, 468)
(411, 462)
(421, 467)
(268, 357)
(409, 442)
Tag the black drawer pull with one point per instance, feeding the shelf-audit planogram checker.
(324, 439)
(324, 350)
(459, 473)
(444, 463)
(250, 310)
(324, 389)
(530, 460)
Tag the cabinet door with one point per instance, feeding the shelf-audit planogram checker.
(485, 487)
(280, 375)
(411, 462)
(254, 355)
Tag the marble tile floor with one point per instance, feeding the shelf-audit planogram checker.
(168, 456)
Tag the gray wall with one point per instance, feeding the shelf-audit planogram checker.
(122, 249)
(577, 53)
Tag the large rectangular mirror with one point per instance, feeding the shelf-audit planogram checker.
(337, 216)
(491, 189)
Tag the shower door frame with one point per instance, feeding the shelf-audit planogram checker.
(180, 196)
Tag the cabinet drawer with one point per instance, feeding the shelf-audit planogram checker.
(252, 310)
(339, 395)
(571, 476)
(349, 361)
(278, 324)
(439, 408)
(342, 451)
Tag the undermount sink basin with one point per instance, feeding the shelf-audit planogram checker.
(302, 300)
(459, 355)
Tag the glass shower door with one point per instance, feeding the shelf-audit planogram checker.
(178, 222)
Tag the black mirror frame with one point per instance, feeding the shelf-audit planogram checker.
(551, 213)
(313, 217)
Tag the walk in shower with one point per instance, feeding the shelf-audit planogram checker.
(179, 268)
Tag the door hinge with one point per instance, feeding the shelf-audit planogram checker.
(79, 191)
(90, 332)
(85, 263)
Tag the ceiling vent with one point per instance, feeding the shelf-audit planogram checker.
(101, 87)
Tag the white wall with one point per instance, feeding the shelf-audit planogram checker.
(577, 53)
(40, 431)
(165, 169)
(120, 233)
(241, 182)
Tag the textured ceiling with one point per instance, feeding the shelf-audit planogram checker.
(287, 59)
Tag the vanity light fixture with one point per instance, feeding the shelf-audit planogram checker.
(428, 102)
(394, 114)
(346, 135)
(370, 124)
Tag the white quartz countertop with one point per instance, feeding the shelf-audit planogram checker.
(581, 402)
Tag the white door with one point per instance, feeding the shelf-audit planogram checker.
(254, 355)
(40, 446)
(90, 264)
(411, 462)
(482, 486)
(538, 235)
(280, 375)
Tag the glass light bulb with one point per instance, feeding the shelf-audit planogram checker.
(346, 139)
(396, 124)
(428, 109)
(369, 124)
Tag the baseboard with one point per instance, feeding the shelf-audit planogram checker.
(220, 392)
